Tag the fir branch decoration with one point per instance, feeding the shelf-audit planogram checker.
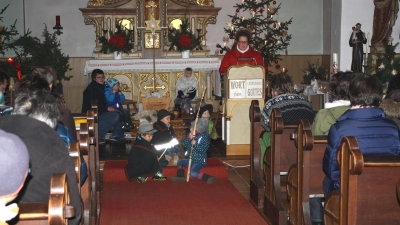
(119, 41)
(314, 71)
(386, 65)
(183, 38)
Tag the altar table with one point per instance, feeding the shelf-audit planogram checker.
(135, 75)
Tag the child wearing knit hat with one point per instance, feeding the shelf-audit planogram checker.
(114, 99)
(200, 142)
(142, 160)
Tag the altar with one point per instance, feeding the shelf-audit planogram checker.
(137, 79)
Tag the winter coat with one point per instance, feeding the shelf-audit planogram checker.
(375, 135)
(392, 110)
(47, 156)
(164, 134)
(325, 118)
(142, 160)
(94, 91)
(199, 154)
(114, 99)
(231, 58)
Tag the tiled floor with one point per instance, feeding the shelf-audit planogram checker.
(238, 166)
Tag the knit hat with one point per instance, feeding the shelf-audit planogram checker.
(202, 125)
(14, 161)
(204, 108)
(146, 128)
(111, 82)
(163, 113)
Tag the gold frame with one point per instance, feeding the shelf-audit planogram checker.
(148, 37)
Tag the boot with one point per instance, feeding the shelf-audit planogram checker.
(209, 179)
(141, 180)
(180, 176)
(159, 177)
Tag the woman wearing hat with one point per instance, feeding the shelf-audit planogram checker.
(142, 160)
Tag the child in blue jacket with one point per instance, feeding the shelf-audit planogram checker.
(201, 142)
(114, 99)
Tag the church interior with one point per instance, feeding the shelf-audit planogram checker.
(307, 39)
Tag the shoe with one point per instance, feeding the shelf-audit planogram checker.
(118, 140)
(102, 141)
(159, 177)
(211, 180)
(141, 180)
(191, 111)
(178, 179)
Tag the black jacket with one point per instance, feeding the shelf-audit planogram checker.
(47, 156)
(164, 134)
(142, 160)
(94, 91)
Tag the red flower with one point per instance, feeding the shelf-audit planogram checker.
(118, 41)
(184, 40)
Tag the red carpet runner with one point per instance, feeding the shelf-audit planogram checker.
(166, 202)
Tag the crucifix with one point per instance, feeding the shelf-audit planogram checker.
(153, 25)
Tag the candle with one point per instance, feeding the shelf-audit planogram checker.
(366, 51)
(283, 69)
(242, 18)
(265, 42)
(58, 24)
(335, 59)
(105, 24)
(224, 44)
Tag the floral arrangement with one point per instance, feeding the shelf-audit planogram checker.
(314, 71)
(119, 41)
(183, 38)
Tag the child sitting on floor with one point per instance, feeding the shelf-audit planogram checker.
(165, 134)
(142, 160)
(186, 88)
(114, 98)
(205, 112)
(200, 142)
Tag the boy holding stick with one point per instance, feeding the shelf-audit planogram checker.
(199, 140)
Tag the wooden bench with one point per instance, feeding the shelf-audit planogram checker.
(368, 188)
(277, 160)
(256, 174)
(54, 212)
(305, 180)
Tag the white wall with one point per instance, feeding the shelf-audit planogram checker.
(78, 39)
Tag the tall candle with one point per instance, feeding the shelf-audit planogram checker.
(366, 51)
(335, 59)
(105, 27)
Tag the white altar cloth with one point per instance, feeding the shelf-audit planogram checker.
(164, 64)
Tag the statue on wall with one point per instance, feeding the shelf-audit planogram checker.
(385, 15)
(357, 39)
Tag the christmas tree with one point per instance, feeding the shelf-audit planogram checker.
(270, 36)
(385, 66)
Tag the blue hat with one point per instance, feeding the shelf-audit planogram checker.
(111, 82)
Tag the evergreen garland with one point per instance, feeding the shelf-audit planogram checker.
(386, 64)
(184, 39)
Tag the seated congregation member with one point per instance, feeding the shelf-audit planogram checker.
(165, 134)
(391, 106)
(4, 81)
(14, 161)
(67, 118)
(293, 107)
(142, 160)
(339, 88)
(376, 135)
(108, 117)
(34, 120)
(186, 89)
(200, 142)
(114, 98)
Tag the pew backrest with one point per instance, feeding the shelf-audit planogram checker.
(368, 188)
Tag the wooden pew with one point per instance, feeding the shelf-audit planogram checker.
(256, 174)
(86, 189)
(277, 160)
(307, 179)
(368, 191)
(54, 212)
(75, 154)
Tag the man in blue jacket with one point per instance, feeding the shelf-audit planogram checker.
(375, 134)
